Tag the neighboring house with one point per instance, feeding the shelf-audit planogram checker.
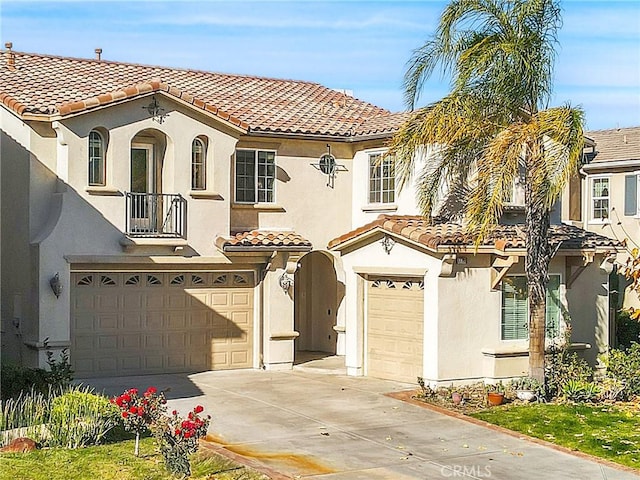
(606, 197)
(167, 220)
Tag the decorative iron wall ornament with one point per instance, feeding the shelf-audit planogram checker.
(327, 165)
(156, 111)
(387, 244)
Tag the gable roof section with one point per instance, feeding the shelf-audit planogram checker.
(445, 237)
(262, 240)
(50, 85)
(620, 144)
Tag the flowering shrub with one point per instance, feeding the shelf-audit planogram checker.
(139, 413)
(178, 437)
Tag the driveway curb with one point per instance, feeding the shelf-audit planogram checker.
(408, 397)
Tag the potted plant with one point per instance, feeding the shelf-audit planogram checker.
(526, 388)
(495, 393)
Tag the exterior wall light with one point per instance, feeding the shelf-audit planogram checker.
(285, 282)
(56, 285)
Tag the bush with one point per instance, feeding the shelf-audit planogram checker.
(627, 329)
(79, 418)
(16, 380)
(580, 391)
(624, 366)
(562, 366)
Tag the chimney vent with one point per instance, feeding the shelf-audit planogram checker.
(98, 53)
(11, 57)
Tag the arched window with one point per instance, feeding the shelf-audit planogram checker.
(96, 159)
(198, 164)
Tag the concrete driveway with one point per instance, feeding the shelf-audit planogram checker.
(318, 426)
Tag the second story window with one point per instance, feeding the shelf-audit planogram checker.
(198, 164)
(382, 179)
(600, 198)
(96, 159)
(255, 176)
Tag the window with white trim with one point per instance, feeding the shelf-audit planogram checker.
(97, 167)
(515, 308)
(198, 164)
(600, 198)
(382, 179)
(255, 174)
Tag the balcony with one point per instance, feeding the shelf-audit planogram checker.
(155, 215)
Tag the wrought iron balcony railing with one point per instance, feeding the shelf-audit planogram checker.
(155, 215)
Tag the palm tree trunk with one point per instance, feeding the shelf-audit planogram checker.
(537, 271)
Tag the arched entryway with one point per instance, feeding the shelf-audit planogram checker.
(317, 297)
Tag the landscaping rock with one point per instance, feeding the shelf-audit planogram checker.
(20, 445)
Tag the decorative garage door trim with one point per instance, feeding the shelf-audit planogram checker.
(395, 326)
(129, 323)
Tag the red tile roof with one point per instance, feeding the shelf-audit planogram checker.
(50, 85)
(264, 240)
(448, 235)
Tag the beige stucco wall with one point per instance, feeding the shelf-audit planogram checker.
(462, 339)
(363, 211)
(303, 201)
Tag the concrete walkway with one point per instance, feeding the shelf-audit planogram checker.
(314, 426)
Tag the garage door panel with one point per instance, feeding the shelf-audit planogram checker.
(107, 342)
(130, 364)
(177, 301)
(395, 327)
(132, 301)
(83, 322)
(153, 321)
(138, 323)
(153, 341)
(131, 321)
(177, 320)
(130, 342)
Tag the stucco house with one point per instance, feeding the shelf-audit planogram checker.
(169, 220)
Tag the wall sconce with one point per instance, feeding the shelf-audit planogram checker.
(286, 282)
(56, 285)
(387, 244)
(156, 111)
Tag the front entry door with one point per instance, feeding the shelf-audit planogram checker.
(143, 202)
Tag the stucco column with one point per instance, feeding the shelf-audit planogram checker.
(278, 315)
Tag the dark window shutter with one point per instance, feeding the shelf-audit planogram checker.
(630, 194)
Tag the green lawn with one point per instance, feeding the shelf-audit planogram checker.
(114, 462)
(604, 431)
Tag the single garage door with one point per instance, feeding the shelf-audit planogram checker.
(160, 322)
(395, 322)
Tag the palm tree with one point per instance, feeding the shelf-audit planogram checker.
(494, 126)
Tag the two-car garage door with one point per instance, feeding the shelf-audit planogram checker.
(160, 322)
(395, 320)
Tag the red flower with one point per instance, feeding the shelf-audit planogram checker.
(187, 434)
(175, 412)
(199, 409)
(177, 431)
(133, 391)
(151, 390)
(140, 411)
(125, 414)
(125, 397)
(133, 410)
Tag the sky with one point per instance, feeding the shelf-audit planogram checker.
(358, 45)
